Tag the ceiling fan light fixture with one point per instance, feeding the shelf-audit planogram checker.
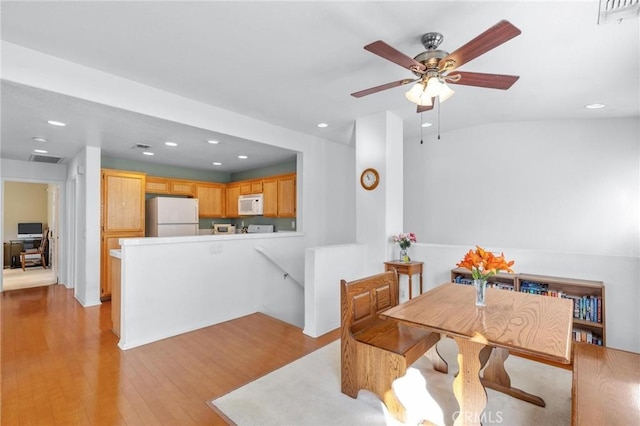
(445, 92)
(418, 95)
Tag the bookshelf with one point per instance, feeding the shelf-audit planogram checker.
(589, 324)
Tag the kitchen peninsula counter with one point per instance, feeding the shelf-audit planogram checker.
(205, 238)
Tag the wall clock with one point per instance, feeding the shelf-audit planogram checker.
(369, 179)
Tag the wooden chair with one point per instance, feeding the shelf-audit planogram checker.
(374, 351)
(38, 251)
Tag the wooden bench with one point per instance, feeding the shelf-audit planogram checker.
(375, 352)
(606, 385)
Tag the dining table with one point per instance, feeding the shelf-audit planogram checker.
(536, 326)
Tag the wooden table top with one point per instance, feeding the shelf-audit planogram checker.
(531, 324)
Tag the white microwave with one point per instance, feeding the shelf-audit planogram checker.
(250, 205)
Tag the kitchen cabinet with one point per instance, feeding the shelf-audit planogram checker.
(279, 195)
(233, 193)
(162, 185)
(115, 276)
(270, 197)
(250, 187)
(211, 197)
(157, 185)
(287, 196)
(121, 216)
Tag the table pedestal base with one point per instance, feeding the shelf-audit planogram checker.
(467, 387)
(496, 377)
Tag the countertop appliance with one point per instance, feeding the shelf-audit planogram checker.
(259, 229)
(171, 217)
(224, 228)
(250, 205)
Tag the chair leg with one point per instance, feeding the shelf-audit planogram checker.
(44, 265)
(22, 260)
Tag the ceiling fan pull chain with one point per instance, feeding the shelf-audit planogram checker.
(438, 117)
(421, 128)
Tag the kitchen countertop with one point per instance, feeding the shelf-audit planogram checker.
(204, 238)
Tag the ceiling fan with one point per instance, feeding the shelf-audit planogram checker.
(435, 68)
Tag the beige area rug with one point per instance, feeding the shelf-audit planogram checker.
(307, 392)
(14, 279)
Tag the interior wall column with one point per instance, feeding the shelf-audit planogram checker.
(379, 212)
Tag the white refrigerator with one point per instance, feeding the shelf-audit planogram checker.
(171, 217)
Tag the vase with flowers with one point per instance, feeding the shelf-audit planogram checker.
(404, 242)
(483, 264)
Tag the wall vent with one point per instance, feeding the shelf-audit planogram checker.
(45, 159)
(617, 10)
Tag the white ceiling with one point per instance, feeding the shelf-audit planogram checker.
(294, 64)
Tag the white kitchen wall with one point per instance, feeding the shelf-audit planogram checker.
(560, 198)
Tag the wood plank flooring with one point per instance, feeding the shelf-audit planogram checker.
(61, 364)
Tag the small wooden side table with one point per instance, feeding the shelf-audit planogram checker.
(407, 268)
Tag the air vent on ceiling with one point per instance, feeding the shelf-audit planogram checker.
(617, 10)
(141, 146)
(45, 159)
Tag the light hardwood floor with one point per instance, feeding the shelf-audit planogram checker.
(61, 364)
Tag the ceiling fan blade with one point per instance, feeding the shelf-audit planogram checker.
(382, 87)
(423, 108)
(478, 79)
(500, 33)
(389, 53)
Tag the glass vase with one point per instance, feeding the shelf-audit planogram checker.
(480, 286)
(404, 255)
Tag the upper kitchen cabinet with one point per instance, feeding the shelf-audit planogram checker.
(287, 196)
(251, 187)
(211, 197)
(233, 193)
(280, 195)
(122, 201)
(162, 185)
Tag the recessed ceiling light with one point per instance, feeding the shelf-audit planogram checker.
(39, 139)
(323, 125)
(171, 144)
(595, 106)
(427, 124)
(213, 141)
(242, 157)
(56, 123)
(215, 163)
(40, 151)
(148, 153)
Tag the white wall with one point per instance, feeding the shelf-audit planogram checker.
(560, 198)
(84, 174)
(324, 268)
(174, 285)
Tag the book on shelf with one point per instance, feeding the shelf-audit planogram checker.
(461, 279)
(586, 336)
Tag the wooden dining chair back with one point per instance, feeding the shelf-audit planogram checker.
(374, 351)
(40, 251)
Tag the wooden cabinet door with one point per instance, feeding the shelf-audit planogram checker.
(287, 196)
(245, 187)
(233, 193)
(183, 187)
(210, 200)
(157, 185)
(122, 201)
(270, 197)
(256, 187)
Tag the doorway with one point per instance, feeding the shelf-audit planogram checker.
(37, 202)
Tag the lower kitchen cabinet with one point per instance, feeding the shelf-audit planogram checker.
(109, 242)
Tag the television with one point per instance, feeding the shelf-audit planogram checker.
(29, 230)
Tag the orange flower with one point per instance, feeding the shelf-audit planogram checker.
(484, 264)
